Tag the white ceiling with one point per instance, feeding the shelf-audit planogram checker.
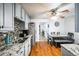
(33, 9)
(36, 8)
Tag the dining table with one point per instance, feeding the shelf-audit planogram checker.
(60, 39)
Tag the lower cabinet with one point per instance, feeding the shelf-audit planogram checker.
(27, 47)
(21, 51)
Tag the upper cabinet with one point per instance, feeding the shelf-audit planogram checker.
(23, 15)
(9, 16)
(1, 15)
(7, 20)
(77, 17)
(7, 13)
(18, 11)
(27, 20)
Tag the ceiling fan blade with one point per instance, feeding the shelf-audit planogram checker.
(61, 5)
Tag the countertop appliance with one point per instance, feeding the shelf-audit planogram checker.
(23, 33)
(8, 39)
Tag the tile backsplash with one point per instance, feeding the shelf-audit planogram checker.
(18, 25)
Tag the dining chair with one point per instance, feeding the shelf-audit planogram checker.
(58, 33)
(50, 40)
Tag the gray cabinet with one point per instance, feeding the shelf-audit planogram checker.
(18, 11)
(8, 17)
(77, 17)
(23, 15)
(27, 19)
(1, 15)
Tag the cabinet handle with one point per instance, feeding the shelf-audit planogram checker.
(2, 26)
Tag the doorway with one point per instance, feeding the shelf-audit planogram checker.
(43, 31)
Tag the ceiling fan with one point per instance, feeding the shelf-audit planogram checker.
(54, 11)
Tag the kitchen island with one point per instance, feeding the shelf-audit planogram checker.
(70, 49)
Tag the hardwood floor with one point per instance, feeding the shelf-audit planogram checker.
(45, 49)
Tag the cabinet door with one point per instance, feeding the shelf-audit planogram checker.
(26, 48)
(1, 15)
(29, 47)
(21, 51)
(23, 15)
(18, 11)
(8, 16)
(27, 20)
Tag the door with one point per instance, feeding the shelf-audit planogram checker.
(1, 15)
(43, 31)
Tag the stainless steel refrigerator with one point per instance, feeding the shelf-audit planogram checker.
(31, 27)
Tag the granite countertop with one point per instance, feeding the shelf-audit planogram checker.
(12, 49)
(73, 48)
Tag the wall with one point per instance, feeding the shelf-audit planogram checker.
(69, 20)
(53, 28)
(69, 24)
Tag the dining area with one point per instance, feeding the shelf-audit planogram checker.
(56, 39)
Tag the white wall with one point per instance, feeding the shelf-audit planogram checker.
(69, 21)
(70, 25)
(53, 28)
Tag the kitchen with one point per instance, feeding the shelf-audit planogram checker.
(22, 24)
